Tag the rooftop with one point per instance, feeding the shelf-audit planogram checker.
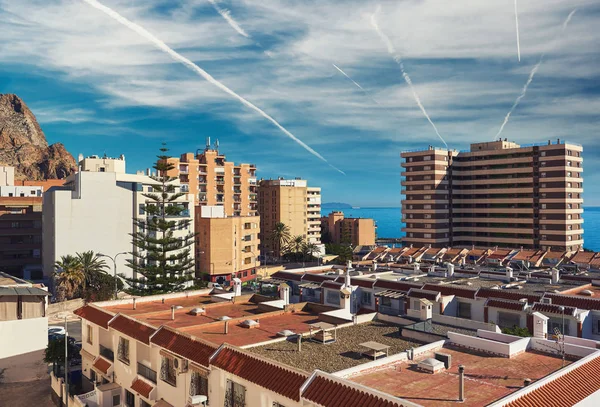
(487, 378)
(342, 354)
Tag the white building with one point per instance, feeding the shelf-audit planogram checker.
(95, 211)
(23, 328)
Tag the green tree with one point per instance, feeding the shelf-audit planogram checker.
(281, 237)
(161, 259)
(101, 287)
(55, 353)
(309, 250)
(69, 275)
(91, 264)
(517, 331)
(295, 246)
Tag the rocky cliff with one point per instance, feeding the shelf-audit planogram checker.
(23, 144)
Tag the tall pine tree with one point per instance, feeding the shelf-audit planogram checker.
(161, 257)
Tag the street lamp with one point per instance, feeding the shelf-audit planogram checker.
(562, 310)
(66, 364)
(114, 260)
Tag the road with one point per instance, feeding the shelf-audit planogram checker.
(74, 329)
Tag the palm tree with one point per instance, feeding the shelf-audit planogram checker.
(281, 237)
(91, 264)
(295, 245)
(309, 249)
(69, 274)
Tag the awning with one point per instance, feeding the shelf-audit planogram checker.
(142, 387)
(311, 286)
(23, 291)
(391, 294)
(102, 365)
(162, 403)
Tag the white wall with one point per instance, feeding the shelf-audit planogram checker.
(593, 400)
(464, 323)
(479, 343)
(23, 336)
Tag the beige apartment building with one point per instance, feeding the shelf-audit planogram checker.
(226, 247)
(497, 194)
(214, 181)
(355, 231)
(293, 203)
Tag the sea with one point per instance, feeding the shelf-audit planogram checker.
(389, 225)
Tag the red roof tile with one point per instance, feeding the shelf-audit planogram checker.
(317, 278)
(286, 275)
(410, 252)
(261, 372)
(583, 257)
(132, 328)
(427, 294)
(94, 315)
(524, 255)
(396, 285)
(566, 390)
(332, 284)
(332, 393)
(447, 289)
(574, 301)
(552, 309)
(362, 283)
(507, 295)
(102, 364)
(577, 278)
(193, 349)
(141, 387)
(505, 304)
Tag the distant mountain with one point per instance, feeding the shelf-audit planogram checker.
(23, 144)
(335, 205)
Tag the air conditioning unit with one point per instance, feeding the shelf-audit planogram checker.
(546, 300)
(197, 400)
(181, 365)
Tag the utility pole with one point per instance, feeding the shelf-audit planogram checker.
(114, 260)
(66, 364)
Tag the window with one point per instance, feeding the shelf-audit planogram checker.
(235, 395)
(427, 158)
(142, 209)
(333, 297)
(557, 324)
(144, 404)
(123, 351)
(427, 235)
(543, 153)
(276, 404)
(386, 302)
(116, 400)
(366, 298)
(508, 320)
(198, 384)
(15, 225)
(92, 375)
(596, 324)
(464, 310)
(90, 335)
(167, 371)
(129, 399)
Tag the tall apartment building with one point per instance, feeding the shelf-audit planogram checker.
(293, 203)
(497, 194)
(21, 224)
(95, 211)
(226, 247)
(213, 181)
(355, 231)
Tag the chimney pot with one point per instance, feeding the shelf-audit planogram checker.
(461, 383)
(526, 382)
(134, 303)
(172, 312)
(226, 331)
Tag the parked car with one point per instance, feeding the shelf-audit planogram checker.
(56, 330)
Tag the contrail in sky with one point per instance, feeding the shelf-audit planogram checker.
(354, 82)
(530, 79)
(517, 26)
(398, 59)
(189, 64)
(226, 14)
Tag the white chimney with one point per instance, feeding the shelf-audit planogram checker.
(349, 264)
(237, 287)
(450, 269)
(374, 265)
(540, 325)
(79, 158)
(555, 276)
(284, 293)
(417, 267)
(432, 268)
(425, 310)
(347, 278)
(509, 273)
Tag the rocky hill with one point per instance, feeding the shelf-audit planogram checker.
(23, 144)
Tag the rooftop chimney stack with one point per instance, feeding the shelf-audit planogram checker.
(450, 270)
(555, 276)
(461, 383)
(299, 341)
(226, 329)
(509, 274)
(133, 302)
(172, 312)
(526, 382)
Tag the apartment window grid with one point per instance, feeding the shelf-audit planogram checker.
(123, 350)
(198, 384)
(168, 373)
(90, 333)
(235, 395)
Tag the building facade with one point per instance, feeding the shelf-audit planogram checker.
(21, 225)
(497, 194)
(213, 181)
(354, 231)
(293, 203)
(95, 211)
(226, 247)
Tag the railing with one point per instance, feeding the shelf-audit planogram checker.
(146, 372)
(416, 150)
(107, 353)
(235, 399)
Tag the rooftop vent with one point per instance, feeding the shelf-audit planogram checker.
(224, 318)
(587, 292)
(249, 323)
(431, 365)
(285, 333)
(198, 311)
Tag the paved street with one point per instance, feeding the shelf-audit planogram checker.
(74, 328)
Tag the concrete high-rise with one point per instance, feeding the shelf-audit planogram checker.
(213, 181)
(497, 194)
(354, 231)
(293, 203)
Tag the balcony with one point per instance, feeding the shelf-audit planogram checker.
(235, 399)
(107, 353)
(146, 372)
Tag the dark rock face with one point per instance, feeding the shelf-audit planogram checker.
(23, 144)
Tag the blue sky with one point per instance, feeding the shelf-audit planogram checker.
(97, 86)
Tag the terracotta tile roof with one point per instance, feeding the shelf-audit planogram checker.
(193, 349)
(499, 254)
(470, 272)
(327, 392)
(132, 328)
(141, 387)
(362, 282)
(577, 278)
(505, 304)
(396, 285)
(524, 255)
(583, 257)
(267, 374)
(286, 275)
(574, 301)
(94, 315)
(332, 284)
(427, 294)
(552, 309)
(447, 289)
(554, 255)
(317, 278)
(410, 252)
(162, 403)
(566, 390)
(507, 295)
(102, 365)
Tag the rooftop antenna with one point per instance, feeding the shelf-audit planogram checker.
(208, 143)
(217, 144)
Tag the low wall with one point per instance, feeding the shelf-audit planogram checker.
(588, 343)
(258, 298)
(23, 336)
(421, 336)
(429, 348)
(399, 357)
(361, 319)
(496, 336)
(149, 298)
(544, 345)
(480, 344)
(464, 323)
(64, 306)
(318, 308)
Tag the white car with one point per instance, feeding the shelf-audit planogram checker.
(56, 330)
